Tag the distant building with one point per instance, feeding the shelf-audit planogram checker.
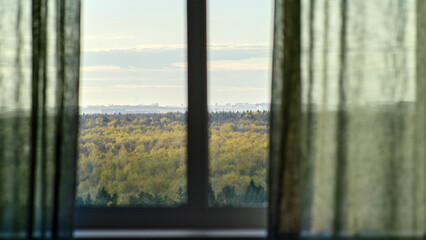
(113, 110)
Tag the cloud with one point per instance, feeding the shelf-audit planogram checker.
(140, 48)
(238, 51)
(150, 58)
(170, 56)
(146, 86)
(238, 89)
(87, 90)
(118, 69)
(250, 64)
(97, 79)
(158, 72)
(230, 46)
(159, 47)
(99, 68)
(115, 35)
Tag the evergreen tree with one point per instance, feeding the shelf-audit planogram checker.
(229, 195)
(146, 199)
(79, 201)
(88, 201)
(212, 198)
(254, 195)
(261, 195)
(166, 201)
(114, 200)
(181, 196)
(103, 197)
(220, 200)
(105, 119)
(133, 201)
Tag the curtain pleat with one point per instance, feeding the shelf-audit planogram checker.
(357, 169)
(39, 73)
(285, 150)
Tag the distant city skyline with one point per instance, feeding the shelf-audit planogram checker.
(157, 108)
(165, 105)
(134, 51)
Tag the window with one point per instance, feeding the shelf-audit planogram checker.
(132, 148)
(239, 54)
(193, 195)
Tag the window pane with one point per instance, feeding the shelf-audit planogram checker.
(133, 104)
(239, 54)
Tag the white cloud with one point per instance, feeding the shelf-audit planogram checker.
(115, 35)
(97, 79)
(230, 46)
(139, 48)
(145, 86)
(240, 65)
(99, 68)
(120, 69)
(250, 64)
(86, 90)
(159, 47)
(238, 89)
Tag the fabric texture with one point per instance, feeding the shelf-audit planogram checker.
(39, 73)
(348, 120)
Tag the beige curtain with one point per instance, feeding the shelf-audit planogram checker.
(348, 120)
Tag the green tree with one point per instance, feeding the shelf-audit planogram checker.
(143, 199)
(114, 200)
(229, 195)
(254, 195)
(103, 197)
(88, 201)
(139, 158)
(181, 196)
(79, 201)
(212, 197)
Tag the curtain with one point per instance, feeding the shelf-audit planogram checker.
(39, 72)
(348, 120)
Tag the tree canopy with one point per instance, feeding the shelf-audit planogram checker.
(140, 159)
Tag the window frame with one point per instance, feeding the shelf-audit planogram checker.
(196, 214)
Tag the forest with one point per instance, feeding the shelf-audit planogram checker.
(140, 159)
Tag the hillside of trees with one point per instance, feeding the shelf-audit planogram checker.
(140, 159)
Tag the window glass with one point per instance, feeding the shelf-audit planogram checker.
(133, 103)
(239, 66)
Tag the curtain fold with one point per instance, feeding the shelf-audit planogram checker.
(348, 145)
(39, 74)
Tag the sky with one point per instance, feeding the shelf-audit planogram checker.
(134, 51)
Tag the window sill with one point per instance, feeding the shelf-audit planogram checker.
(171, 234)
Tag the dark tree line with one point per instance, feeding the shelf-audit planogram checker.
(254, 195)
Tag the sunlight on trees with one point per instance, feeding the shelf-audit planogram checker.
(140, 159)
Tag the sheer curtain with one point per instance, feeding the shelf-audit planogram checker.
(39, 69)
(348, 120)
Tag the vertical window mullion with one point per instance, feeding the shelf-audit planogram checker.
(197, 106)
